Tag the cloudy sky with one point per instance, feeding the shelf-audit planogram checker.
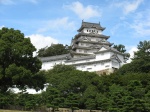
(51, 21)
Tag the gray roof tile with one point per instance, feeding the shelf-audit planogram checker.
(91, 25)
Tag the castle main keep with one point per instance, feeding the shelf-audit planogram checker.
(90, 51)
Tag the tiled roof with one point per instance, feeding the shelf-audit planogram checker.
(114, 56)
(54, 58)
(92, 34)
(81, 58)
(91, 25)
(91, 62)
(109, 49)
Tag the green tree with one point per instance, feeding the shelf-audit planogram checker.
(53, 50)
(53, 98)
(141, 60)
(103, 102)
(142, 56)
(120, 48)
(72, 101)
(89, 97)
(143, 50)
(6, 100)
(18, 67)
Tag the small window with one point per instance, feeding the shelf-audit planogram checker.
(83, 66)
(87, 30)
(103, 40)
(102, 63)
(80, 50)
(85, 51)
(89, 68)
(97, 39)
(87, 44)
(102, 54)
(107, 66)
(84, 39)
(82, 44)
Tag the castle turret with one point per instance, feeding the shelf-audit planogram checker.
(88, 40)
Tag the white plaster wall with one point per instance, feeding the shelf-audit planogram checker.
(115, 64)
(51, 64)
(47, 65)
(92, 50)
(84, 44)
(85, 51)
(111, 53)
(84, 66)
(121, 58)
(85, 30)
(95, 66)
(103, 56)
(103, 49)
(95, 39)
(80, 61)
(80, 50)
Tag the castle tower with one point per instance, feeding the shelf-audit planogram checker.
(91, 51)
(88, 40)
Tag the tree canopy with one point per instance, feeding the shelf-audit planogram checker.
(140, 61)
(121, 48)
(127, 90)
(53, 50)
(18, 67)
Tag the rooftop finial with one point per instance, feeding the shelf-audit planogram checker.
(82, 20)
(99, 22)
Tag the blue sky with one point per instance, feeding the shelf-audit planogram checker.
(56, 21)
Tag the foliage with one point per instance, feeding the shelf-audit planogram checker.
(127, 90)
(53, 50)
(120, 48)
(17, 64)
(141, 60)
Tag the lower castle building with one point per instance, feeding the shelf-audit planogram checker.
(91, 51)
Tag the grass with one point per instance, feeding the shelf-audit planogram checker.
(13, 111)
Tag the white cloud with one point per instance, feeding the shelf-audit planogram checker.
(141, 24)
(31, 1)
(131, 52)
(2, 26)
(7, 2)
(128, 6)
(116, 28)
(59, 24)
(142, 28)
(131, 7)
(40, 41)
(12, 2)
(84, 12)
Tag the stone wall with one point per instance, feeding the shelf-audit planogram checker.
(105, 72)
(80, 110)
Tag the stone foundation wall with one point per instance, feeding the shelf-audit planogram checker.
(105, 72)
(80, 110)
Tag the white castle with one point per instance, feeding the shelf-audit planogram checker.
(91, 51)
